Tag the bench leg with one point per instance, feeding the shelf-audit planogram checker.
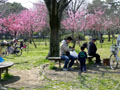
(59, 64)
(7, 71)
(77, 62)
(89, 60)
(0, 74)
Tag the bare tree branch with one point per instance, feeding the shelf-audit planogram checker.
(80, 4)
(75, 5)
(63, 4)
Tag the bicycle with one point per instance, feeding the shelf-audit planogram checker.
(114, 58)
(10, 49)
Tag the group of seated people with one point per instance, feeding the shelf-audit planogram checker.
(82, 56)
(11, 45)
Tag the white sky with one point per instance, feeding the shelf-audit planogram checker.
(28, 3)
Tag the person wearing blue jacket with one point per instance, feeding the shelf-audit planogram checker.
(1, 59)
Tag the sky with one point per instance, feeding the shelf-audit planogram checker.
(28, 3)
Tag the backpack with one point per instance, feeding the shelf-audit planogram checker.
(82, 54)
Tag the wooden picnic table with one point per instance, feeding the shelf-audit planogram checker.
(4, 67)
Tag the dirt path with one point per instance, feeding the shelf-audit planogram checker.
(35, 78)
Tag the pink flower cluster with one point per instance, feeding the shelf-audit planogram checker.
(82, 20)
(27, 21)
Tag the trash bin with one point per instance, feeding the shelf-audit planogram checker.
(106, 62)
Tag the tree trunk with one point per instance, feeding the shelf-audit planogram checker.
(101, 39)
(15, 35)
(101, 36)
(74, 43)
(93, 34)
(54, 43)
(109, 37)
(32, 40)
(54, 36)
(45, 42)
(34, 43)
(113, 37)
(74, 39)
(55, 8)
(72, 33)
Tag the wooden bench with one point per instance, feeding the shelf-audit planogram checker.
(59, 59)
(56, 59)
(4, 67)
(90, 59)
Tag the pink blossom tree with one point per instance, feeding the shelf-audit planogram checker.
(111, 25)
(32, 21)
(25, 23)
(95, 21)
(75, 22)
(82, 21)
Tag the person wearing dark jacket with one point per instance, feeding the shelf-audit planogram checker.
(85, 45)
(92, 49)
(82, 56)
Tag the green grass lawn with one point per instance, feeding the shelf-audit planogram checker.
(89, 81)
(34, 57)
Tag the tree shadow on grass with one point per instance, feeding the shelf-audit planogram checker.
(102, 70)
(21, 62)
(92, 68)
(9, 57)
(10, 80)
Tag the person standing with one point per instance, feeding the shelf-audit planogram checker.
(82, 56)
(65, 54)
(92, 49)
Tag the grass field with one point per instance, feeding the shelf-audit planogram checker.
(104, 79)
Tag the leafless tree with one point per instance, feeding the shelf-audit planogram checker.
(75, 5)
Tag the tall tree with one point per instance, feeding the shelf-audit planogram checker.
(55, 10)
(10, 8)
(74, 7)
(2, 4)
(95, 4)
(112, 11)
(28, 21)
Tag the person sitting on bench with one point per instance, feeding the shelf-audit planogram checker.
(92, 49)
(65, 54)
(1, 59)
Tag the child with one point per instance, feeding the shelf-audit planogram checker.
(82, 56)
(1, 59)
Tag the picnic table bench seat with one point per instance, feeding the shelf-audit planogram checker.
(59, 59)
(4, 67)
(89, 59)
(56, 59)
